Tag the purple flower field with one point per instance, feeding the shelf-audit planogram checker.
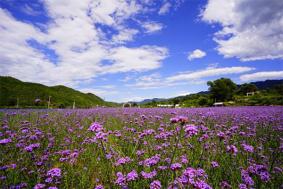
(236, 147)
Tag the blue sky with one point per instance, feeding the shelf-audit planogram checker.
(125, 50)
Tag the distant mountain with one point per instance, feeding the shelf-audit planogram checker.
(151, 100)
(263, 85)
(13, 91)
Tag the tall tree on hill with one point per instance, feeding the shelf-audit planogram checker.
(222, 89)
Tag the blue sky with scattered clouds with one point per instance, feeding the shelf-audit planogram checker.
(126, 50)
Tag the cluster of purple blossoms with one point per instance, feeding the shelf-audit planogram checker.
(122, 180)
(52, 187)
(194, 177)
(133, 175)
(180, 119)
(191, 130)
(39, 186)
(6, 167)
(31, 147)
(122, 161)
(162, 167)
(214, 164)
(99, 187)
(259, 170)
(246, 178)
(232, 149)
(5, 141)
(95, 127)
(248, 148)
(221, 135)
(243, 186)
(184, 159)
(175, 166)
(152, 160)
(55, 172)
(101, 136)
(68, 155)
(149, 175)
(156, 184)
(53, 175)
(140, 152)
(164, 135)
(98, 130)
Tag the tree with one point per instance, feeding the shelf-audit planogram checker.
(202, 101)
(135, 104)
(222, 89)
(247, 88)
(176, 101)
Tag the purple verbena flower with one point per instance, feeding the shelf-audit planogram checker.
(99, 187)
(175, 166)
(148, 175)
(248, 148)
(214, 164)
(156, 184)
(123, 160)
(55, 172)
(39, 186)
(95, 127)
(191, 130)
(5, 141)
(232, 149)
(133, 175)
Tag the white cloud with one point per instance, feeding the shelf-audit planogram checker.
(209, 72)
(135, 59)
(259, 76)
(196, 54)
(165, 8)
(112, 12)
(251, 30)
(156, 81)
(80, 45)
(152, 27)
(125, 35)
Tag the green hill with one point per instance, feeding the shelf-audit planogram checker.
(13, 91)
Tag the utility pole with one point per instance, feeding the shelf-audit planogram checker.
(48, 105)
(74, 104)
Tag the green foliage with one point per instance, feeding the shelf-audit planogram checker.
(13, 91)
(247, 88)
(203, 101)
(222, 89)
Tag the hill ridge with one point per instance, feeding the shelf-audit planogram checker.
(14, 91)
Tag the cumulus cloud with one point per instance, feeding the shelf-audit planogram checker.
(76, 37)
(196, 54)
(209, 72)
(165, 8)
(250, 30)
(125, 35)
(259, 76)
(135, 59)
(156, 81)
(152, 27)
